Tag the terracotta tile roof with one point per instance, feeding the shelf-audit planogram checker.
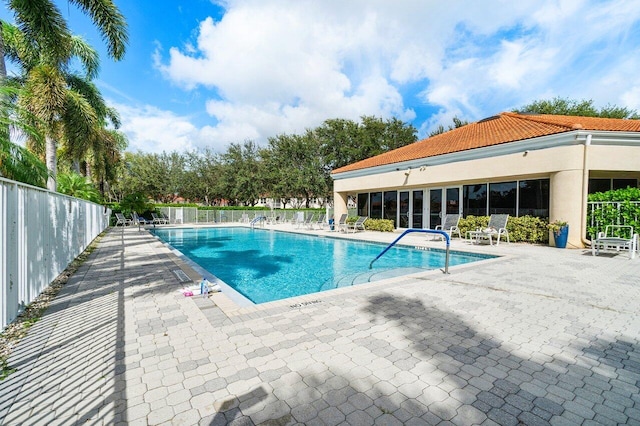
(503, 128)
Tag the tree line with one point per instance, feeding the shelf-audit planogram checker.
(290, 166)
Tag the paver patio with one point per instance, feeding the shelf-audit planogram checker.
(541, 336)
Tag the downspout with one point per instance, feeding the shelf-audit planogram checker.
(585, 192)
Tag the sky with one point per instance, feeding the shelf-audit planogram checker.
(204, 73)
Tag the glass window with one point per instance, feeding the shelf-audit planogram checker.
(376, 205)
(363, 204)
(625, 183)
(453, 201)
(417, 209)
(474, 200)
(599, 185)
(391, 206)
(502, 198)
(534, 198)
(435, 207)
(403, 205)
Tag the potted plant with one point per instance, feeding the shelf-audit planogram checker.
(560, 231)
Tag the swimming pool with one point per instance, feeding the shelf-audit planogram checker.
(267, 265)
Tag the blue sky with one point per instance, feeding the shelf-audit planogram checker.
(201, 73)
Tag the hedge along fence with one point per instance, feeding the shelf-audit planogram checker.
(617, 207)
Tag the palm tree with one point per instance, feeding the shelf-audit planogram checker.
(44, 48)
(78, 186)
(69, 107)
(41, 21)
(62, 112)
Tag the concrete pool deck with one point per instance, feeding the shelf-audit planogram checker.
(539, 336)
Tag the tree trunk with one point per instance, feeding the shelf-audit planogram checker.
(88, 171)
(52, 163)
(3, 67)
(75, 165)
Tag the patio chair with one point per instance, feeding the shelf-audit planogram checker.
(450, 225)
(308, 222)
(615, 238)
(122, 220)
(273, 220)
(358, 225)
(342, 223)
(138, 220)
(321, 222)
(497, 228)
(159, 219)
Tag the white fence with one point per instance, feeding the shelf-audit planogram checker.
(195, 215)
(41, 232)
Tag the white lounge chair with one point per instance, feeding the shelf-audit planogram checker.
(159, 219)
(616, 238)
(450, 225)
(497, 228)
(321, 222)
(308, 222)
(273, 220)
(122, 221)
(342, 223)
(358, 225)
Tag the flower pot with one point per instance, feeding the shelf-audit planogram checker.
(561, 236)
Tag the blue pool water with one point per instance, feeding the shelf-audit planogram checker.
(266, 265)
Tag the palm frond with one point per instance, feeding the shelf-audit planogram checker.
(79, 120)
(17, 163)
(45, 93)
(14, 121)
(110, 22)
(114, 117)
(87, 55)
(90, 92)
(41, 21)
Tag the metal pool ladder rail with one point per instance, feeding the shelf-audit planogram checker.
(257, 219)
(426, 231)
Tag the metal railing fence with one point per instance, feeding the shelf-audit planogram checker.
(603, 213)
(187, 215)
(41, 233)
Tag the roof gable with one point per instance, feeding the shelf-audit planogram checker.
(504, 128)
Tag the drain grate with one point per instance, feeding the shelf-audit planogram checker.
(182, 277)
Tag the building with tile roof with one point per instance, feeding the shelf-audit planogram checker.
(535, 164)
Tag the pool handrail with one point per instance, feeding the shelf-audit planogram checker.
(426, 231)
(257, 219)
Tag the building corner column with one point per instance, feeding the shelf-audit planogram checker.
(565, 204)
(340, 204)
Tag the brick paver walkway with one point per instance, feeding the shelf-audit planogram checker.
(541, 336)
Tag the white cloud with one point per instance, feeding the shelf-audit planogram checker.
(282, 66)
(150, 129)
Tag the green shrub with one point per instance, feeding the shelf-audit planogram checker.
(624, 194)
(382, 225)
(527, 229)
(623, 210)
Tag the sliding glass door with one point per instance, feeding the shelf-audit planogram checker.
(443, 201)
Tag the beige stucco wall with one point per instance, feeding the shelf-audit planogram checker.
(562, 165)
